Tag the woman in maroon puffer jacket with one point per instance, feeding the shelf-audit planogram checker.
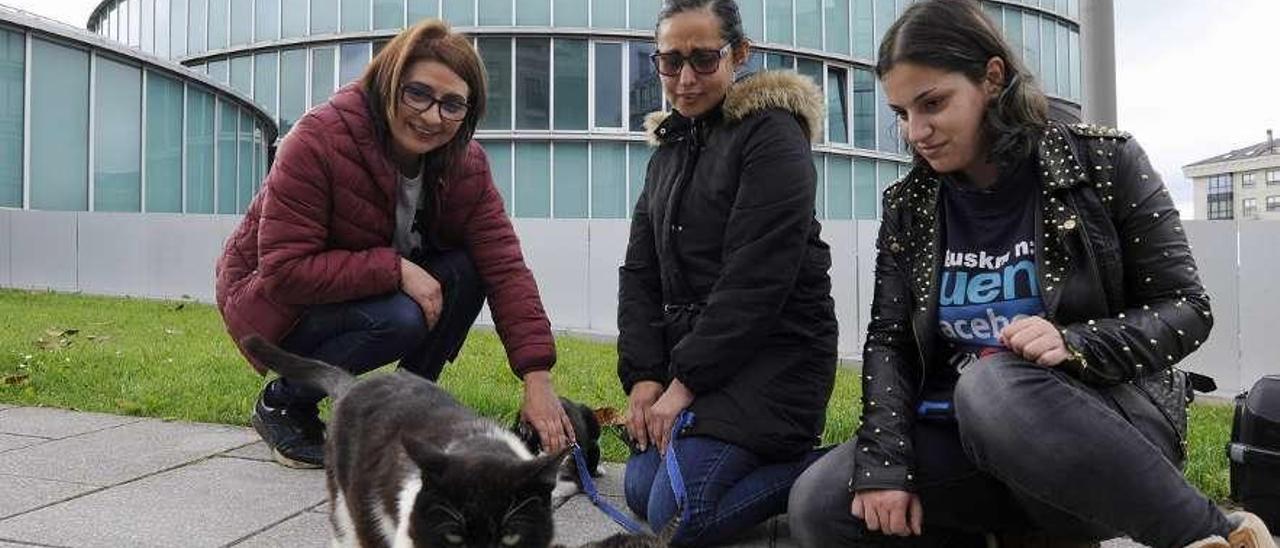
(377, 236)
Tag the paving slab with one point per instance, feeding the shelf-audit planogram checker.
(4, 544)
(47, 422)
(19, 494)
(9, 441)
(210, 503)
(252, 451)
(579, 522)
(128, 451)
(305, 529)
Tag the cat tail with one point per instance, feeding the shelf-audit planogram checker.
(668, 531)
(311, 373)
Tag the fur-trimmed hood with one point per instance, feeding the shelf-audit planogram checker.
(785, 90)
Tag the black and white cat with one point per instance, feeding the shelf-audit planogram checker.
(586, 428)
(409, 466)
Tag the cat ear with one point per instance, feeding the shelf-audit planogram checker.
(432, 462)
(547, 467)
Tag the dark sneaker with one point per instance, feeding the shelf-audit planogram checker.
(295, 436)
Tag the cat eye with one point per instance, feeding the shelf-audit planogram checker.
(511, 540)
(453, 538)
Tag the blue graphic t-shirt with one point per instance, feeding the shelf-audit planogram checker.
(989, 265)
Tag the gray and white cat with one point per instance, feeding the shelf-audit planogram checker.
(409, 466)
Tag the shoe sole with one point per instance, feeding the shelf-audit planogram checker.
(276, 455)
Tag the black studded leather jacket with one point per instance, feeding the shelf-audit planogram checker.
(1115, 271)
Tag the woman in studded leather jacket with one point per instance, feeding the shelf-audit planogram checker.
(1033, 291)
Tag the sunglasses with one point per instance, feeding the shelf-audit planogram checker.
(421, 98)
(703, 61)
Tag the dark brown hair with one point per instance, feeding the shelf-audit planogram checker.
(956, 36)
(429, 40)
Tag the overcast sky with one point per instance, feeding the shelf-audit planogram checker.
(1195, 78)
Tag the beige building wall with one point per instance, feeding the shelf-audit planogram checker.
(1256, 178)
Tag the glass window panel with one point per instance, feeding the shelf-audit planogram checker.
(259, 159)
(355, 15)
(162, 28)
(820, 198)
(422, 9)
(886, 174)
(197, 15)
(644, 14)
(811, 68)
(638, 155)
(839, 188)
(293, 18)
(218, 17)
(218, 71)
(200, 167)
(242, 74)
(533, 186)
(388, 14)
(499, 153)
(228, 133)
(533, 13)
(995, 13)
(809, 21)
(1064, 61)
(164, 144)
(571, 13)
(293, 87)
(378, 45)
(1073, 9)
(866, 200)
(885, 16)
(864, 34)
(864, 109)
(533, 83)
(837, 105)
(609, 14)
(609, 84)
(1049, 59)
(135, 22)
(13, 59)
(324, 16)
(608, 180)
(59, 143)
(495, 12)
(352, 60)
(266, 20)
(1013, 29)
(266, 69)
(1031, 43)
(836, 14)
(778, 61)
(147, 25)
(245, 164)
(322, 75)
(752, 13)
(117, 137)
(460, 13)
(570, 178)
(1074, 50)
(571, 84)
(755, 63)
(778, 26)
(886, 121)
(496, 53)
(645, 87)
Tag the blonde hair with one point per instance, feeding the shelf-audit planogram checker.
(428, 40)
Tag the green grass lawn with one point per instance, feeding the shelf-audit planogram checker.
(173, 360)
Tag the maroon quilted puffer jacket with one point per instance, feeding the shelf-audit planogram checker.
(320, 232)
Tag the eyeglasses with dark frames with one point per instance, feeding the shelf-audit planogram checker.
(703, 61)
(421, 98)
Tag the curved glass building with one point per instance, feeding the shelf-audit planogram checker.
(570, 80)
(89, 124)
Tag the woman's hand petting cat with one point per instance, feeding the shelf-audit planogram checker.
(642, 397)
(891, 512)
(542, 410)
(663, 414)
(1037, 340)
(423, 288)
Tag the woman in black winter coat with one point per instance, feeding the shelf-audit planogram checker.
(725, 305)
(1033, 291)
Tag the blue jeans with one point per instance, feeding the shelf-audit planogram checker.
(1032, 449)
(363, 335)
(729, 489)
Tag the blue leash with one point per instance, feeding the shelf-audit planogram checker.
(673, 471)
